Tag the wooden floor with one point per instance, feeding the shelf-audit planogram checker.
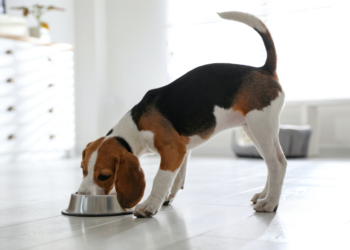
(213, 211)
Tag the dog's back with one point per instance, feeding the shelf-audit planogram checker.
(189, 103)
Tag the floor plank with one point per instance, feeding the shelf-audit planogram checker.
(213, 211)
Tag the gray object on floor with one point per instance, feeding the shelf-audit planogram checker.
(294, 141)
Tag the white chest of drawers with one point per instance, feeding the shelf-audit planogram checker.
(36, 100)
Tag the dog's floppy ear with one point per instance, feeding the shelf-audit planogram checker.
(84, 151)
(130, 180)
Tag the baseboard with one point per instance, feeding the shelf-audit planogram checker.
(335, 151)
(331, 151)
(213, 151)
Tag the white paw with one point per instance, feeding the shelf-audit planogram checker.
(258, 196)
(147, 209)
(265, 205)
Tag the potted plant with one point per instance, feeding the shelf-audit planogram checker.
(37, 11)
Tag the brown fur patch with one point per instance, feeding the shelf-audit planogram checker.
(169, 144)
(256, 93)
(126, 173)
(87, 152)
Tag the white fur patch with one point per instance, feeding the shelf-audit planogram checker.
(225, 119)
(263, 126)
(161, 186)
(245, 18)
(147, 138)
(141, 142)
(88, 185)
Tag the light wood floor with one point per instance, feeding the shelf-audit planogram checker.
(213, 211)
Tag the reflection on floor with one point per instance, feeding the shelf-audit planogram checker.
(213, 211)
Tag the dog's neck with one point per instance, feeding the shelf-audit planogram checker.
(127, 129)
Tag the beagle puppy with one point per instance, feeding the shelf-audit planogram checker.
(174, 119)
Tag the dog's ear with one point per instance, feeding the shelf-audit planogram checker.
(130, 180)
(84, 151)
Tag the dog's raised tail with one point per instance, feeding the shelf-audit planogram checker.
(259, 26)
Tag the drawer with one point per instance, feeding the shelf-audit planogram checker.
(26, 80)
(7, 75)
(6, 102)
(45, 96)
(6, 44)
(40, 63)
(7, 81)
(46, 74)
(15, 139)
(30, 53)
(35, 90)
(6, 59)
(8, 140)
(8, 117)
(63, 140)
(8, 109)
(19, 45)
(6, 52)
(32, 156)
(62, 56)
(40, 114)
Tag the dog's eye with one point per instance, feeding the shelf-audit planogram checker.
(84, 173)
(103, 177)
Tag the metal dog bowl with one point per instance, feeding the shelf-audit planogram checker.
(94, 205)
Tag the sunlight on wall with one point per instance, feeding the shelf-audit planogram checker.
(311, 39)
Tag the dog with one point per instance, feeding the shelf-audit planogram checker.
(174, 119)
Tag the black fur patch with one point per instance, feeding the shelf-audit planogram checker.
(123, 143)
(188, 102)
(109, 132)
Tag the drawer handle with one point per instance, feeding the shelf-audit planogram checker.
(51, 110)
(10, 80)
(51, 85)
(9, 52)
(52, 137)
(11, 137)
(11, 108)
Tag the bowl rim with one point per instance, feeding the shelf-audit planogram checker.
(64, 212)
(94, 195)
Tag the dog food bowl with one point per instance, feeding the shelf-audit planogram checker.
(95, 205)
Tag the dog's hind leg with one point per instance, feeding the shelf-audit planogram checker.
(179, 180)
(264, 127)
(262, 194)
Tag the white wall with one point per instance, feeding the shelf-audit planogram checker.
(61, 23)
(136, 61)
(120, 54)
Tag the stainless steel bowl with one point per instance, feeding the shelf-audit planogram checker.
(94, 205)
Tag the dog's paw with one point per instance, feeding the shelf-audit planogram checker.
(266, 206)
(146, 209)
(169, 200)
(258, 196)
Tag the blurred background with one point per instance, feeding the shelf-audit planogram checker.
(69, 76)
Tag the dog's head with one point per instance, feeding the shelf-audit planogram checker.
(107, 164)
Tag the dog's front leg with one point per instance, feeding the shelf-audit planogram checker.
(179, 180)
(172, 157)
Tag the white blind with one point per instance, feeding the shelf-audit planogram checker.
(311, 38)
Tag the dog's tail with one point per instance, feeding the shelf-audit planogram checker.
(259, 26)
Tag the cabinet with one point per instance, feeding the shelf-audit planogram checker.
(36, 100)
